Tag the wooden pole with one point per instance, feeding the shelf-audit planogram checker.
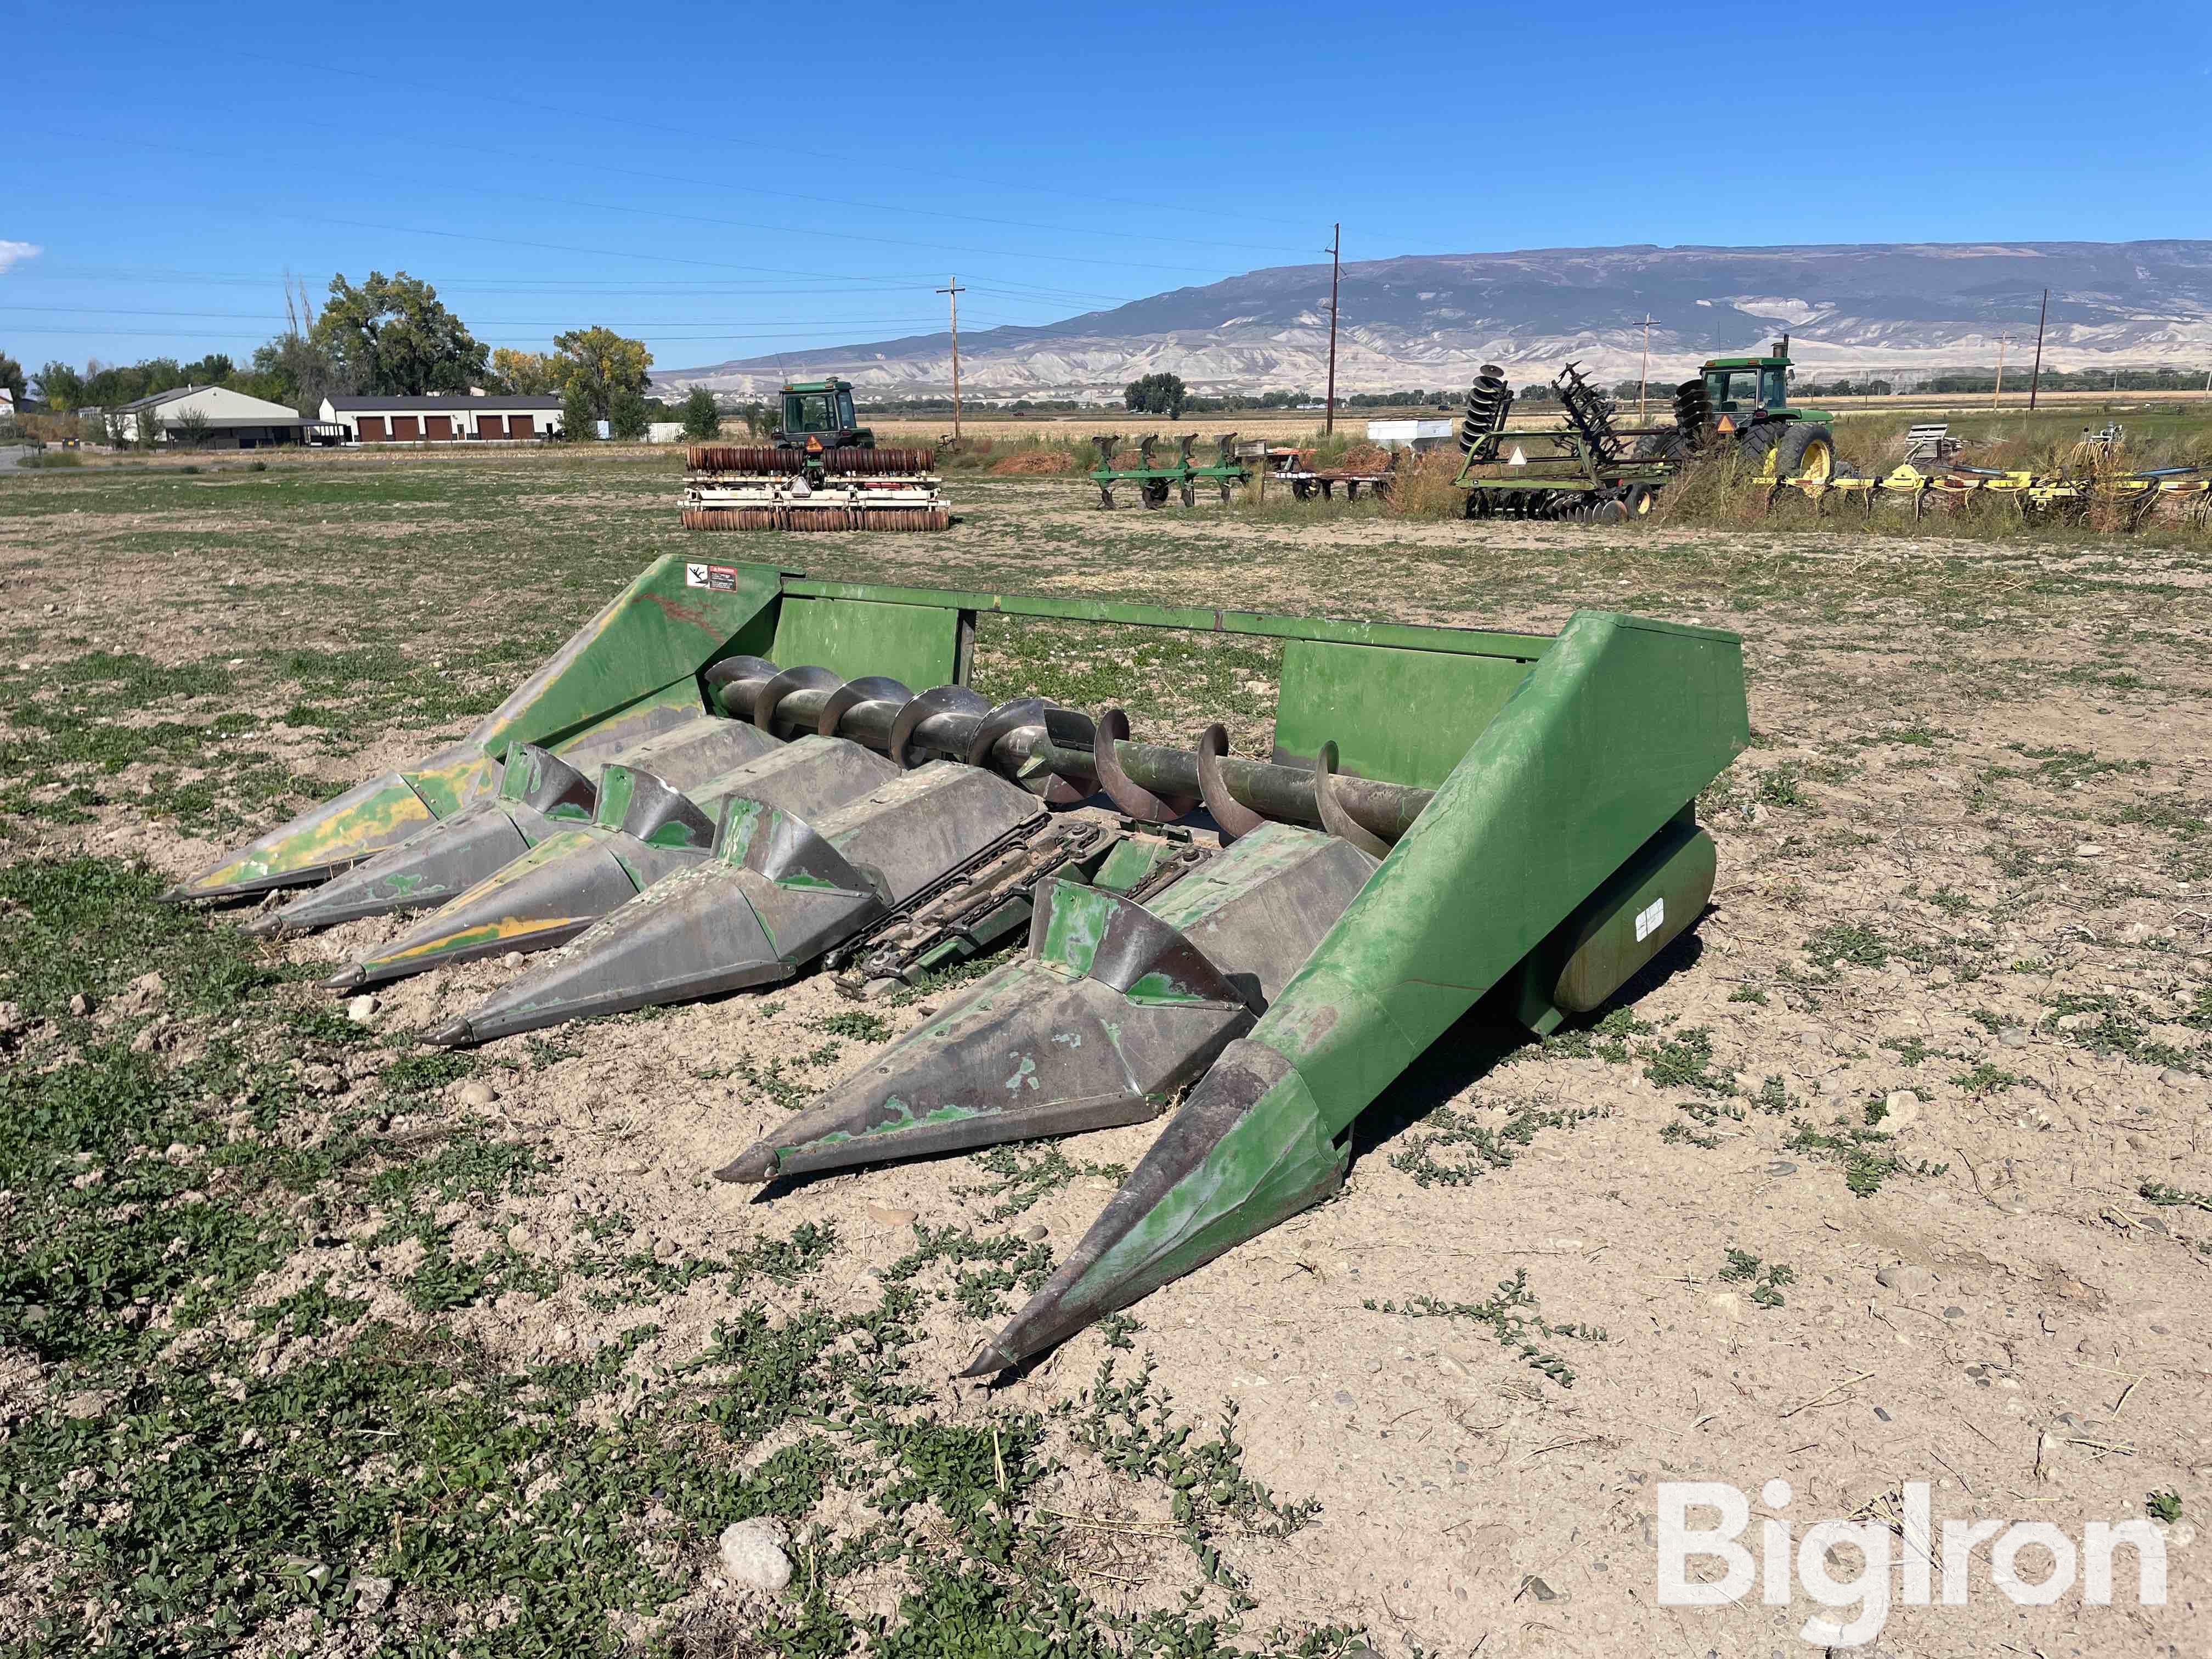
(953, 292)
(2035, 380)
(1997, 397)
(1643, 385)
(1335, 252)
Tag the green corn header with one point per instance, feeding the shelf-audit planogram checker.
(732, 776)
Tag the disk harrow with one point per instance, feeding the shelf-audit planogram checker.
(1251, 949)
(1183, 476)
(813, 488)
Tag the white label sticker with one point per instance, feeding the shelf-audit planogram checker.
(695, 575)
(1648, 920)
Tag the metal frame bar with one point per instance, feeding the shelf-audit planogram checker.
(1404, 636)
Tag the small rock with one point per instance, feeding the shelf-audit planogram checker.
(1955, 1313)
(1882, 1413)
(477, 1092)
(753, 1553)
(883, 1215)
(2089, 849)
(1540, 1590)
(80, 1005)
(1905, 1278)
(1343, 1396)
(11, 1017)
(1035, 1231)
(2172, 1079)
(372, 1594)
(864, 1341)
(323, 1079)
(1782, 1166)
(512, 959)
(82, 1406)
(362, 1009)
(1900, 1110)
(1373, 1366)
(2013, 1037)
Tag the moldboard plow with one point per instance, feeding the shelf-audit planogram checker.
(727, 779)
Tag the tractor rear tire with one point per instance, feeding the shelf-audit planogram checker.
(1755, 448)
(1807, 450)
(1662, 447)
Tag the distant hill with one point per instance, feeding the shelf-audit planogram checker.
(1430, 319)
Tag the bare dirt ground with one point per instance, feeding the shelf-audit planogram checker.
(1897, 1172)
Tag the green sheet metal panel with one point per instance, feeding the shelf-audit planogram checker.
(672, 620)
(917, 644)
(1405, 716)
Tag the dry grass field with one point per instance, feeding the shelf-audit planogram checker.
(315, 1341)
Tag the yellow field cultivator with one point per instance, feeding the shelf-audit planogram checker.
(2132, 499)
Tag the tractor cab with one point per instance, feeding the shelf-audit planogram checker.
(819, 415)
(1749, 386)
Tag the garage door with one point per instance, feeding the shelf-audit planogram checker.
(521, 425)
(372, 429)
(438, 428)
(490, 426)
(406, 428)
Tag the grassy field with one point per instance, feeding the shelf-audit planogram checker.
(312, 1341)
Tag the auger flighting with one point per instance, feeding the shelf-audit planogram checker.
(1449, 817)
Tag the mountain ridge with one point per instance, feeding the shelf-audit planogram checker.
(1893, 309)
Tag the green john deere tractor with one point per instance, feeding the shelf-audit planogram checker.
(821, 411)
(1745, 401)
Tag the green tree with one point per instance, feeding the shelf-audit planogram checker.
(602, 362)
(298, 370)
(213, 369)
(1157, 394)
(62, 387)
(11, 376)
(578, 420)
(702, 419)
(189, 430)
(391, 335)
(628, 415)
(525, 373)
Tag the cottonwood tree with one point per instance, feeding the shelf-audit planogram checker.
(525, 373)
(600, 362)
(1157, 394)
(391, 335)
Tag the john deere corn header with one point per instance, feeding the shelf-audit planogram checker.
(725, 780)
(821, 471)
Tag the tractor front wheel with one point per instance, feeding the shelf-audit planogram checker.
(1807, 450)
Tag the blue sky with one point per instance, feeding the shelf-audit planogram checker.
(758, 178)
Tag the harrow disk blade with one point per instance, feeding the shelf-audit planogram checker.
(775, 896)
(1112, 1008)
(644, 830)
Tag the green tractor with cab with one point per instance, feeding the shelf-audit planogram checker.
(1745, 401)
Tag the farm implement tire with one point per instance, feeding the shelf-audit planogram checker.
(1637, 501)
(1156, 493)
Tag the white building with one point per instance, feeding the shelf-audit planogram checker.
(439, 419)
(209, 417)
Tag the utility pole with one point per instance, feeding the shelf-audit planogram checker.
(1997, 398)
(2035, 380)
(952, 294)
(1644, 383)
(1335, 251)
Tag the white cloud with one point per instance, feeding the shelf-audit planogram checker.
(12, 252)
